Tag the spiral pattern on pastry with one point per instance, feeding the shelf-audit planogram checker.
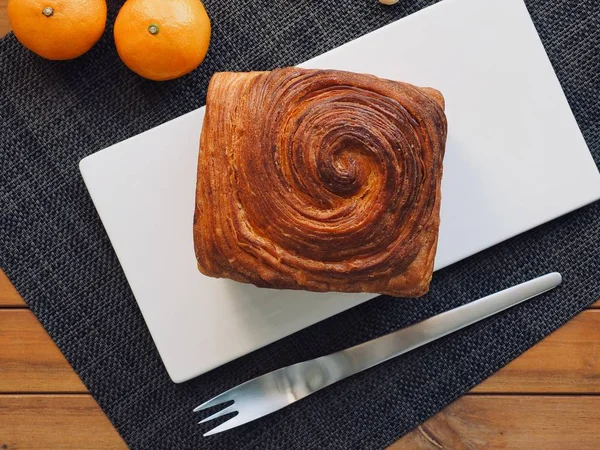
(320, 180)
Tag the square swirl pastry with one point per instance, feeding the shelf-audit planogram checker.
(320, 180)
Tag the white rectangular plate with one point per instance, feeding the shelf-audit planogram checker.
(515, 159)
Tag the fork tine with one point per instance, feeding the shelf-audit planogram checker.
(221, 398)
(228, 425)
(223, 412)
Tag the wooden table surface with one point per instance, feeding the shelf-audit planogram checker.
(548, 398)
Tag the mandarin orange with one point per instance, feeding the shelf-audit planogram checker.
(162, 39)
(57, 29)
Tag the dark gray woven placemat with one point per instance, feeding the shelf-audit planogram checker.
(54, 249)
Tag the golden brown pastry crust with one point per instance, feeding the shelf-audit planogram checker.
(320, 180)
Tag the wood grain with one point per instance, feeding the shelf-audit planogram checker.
(9, 297)
(510, 422)
(472, 422)
(4, 25)
(55, 422)
(567, 361)
(29, 360)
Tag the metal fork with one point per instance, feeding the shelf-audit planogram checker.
(280, 388)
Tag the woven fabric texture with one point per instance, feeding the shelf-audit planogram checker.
(54, 248)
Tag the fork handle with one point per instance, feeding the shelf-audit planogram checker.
(363, 356)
